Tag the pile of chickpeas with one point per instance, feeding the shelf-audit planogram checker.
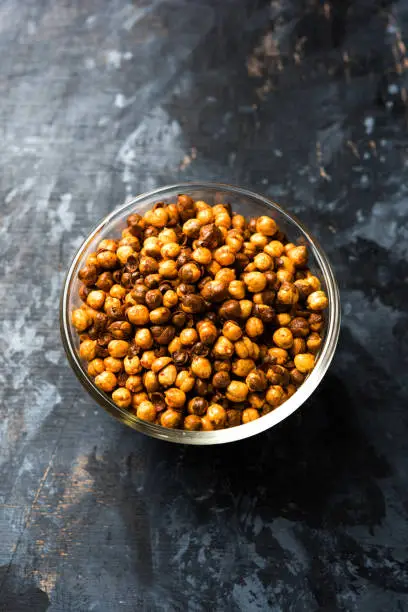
(197, 318)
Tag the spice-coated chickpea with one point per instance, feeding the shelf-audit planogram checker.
(256, 381)
(167, 235)
(202, 256)
(223, 220)
(160, 362)
(174, 345)
(157, 218)
(197, 406)
(117, 291)
(221, 380)
(245, 308)
(138, 398)
(244, 348)
(274, 248)
(304, 362)
(132, 365)
(107, 244)
(242, 367)
(175, 398)
(146, 411)
(124, 252)
(113, 364)
(255, 281)
(170, 250)
(81, 320)
(150, 382)
(217, 415)
(147, 359)
(237, 391)
(298, 255)
(168, 269)
(256, 400)
(316, 301)
(284, 319)
(122, 397)
(201, 367)
(185, 381)
(314, 342)
(234, 240)
(249, 414)
(275, 395)
(206, 424)
(151, 247)
(284, 276)
(258, 240)
(280, 355)
(213, 267)
(238, 221)
(170, 419)
(266, 225)
(224, 255)
(159, 316)
(313, 282)
(106, 381)
(299, 327)
(167, 375)
(105, 281)
(95, 367)
(143, 338)
(296, 377)
(170, 298)
(232, 331)
(118, 348)
(225, 275)
(188, 336)
(316, 322)
(283, 338)
(299, 346)
(138, 314)
(223, 348)
(107, 260)
(254, 327)
(207, 331)
(87, 349)
(192, 422)
(287, 294)
(236, 289)
(263, 262)
(205, 216)
(96, 299)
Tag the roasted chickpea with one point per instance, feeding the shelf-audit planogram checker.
(266, 225)
(256, 381)
(232, 331)
(175, 398)
(316, 301)
(188, 336)
(314, 342)
(206, 424)
(167, 375)
(236, 289)
(192, 423)
(242, 367)
(143, 338)
(170, 419)
(279, 355)
(245, 308)
(207, 331)
(159, 316)
(255, 281)
(81, 319)
(254, 327)
(146, 411)
(304, 362)
(221, 380)
(185, 381)
(95, 367)
(223, 348)
(138, 314)
(283, 338)
(168, 269)
(225, 275)
(170, 250)
(201, 367)
(202, 256)
(259, 240)
(118, 348)
(112, 364)
(298, 255)
(107, 260)
(106, 381)
(287, 294)
(124, 252)
(87, 349)
(157, 218)
(117, 291)
(274, 248)
(170, 299)
(263, 262)
(299, 346)
(217, 415)
(249, 414)
(96, 299)
(224, 255)
(132, 365)
(237, 391)
(275, 395)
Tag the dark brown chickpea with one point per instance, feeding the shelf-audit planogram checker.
(256, 381)
(230, 309)
(299, 327)
(316, 322)
(197, 406)
(296, 377)
(299, 346)
(221, 380)
(189, 273)
(215, 291)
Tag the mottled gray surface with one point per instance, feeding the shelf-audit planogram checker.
(303, 101)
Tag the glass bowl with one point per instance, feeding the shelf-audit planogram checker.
(248, 204)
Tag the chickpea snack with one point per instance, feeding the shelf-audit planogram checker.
(200, 314)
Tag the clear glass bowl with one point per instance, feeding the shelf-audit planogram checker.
(249, 204)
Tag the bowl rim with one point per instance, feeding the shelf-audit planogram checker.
(220, 436)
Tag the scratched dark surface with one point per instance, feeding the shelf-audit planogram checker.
(303, 101)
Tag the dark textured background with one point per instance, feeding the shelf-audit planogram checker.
(303, 101)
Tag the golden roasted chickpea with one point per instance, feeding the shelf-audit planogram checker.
(201, 367)
(266, 225)
(170, 298)
(170, 419)
(284, 276)
(87, 349)
(206, 424)
(254, 327)
(124, 252)
(304, 362)
(188, 336)
(175, 398)
(313, 281)
(249, 414)
(286, 264)
(234, 240)
(112, 364)
(170, 250)
(283, 319)
(288, 294)
(144, 338)
(112, 307)
(283, 338)
(167, 375)
(213, 267)
(244, 348)
(150, 382)
(223, 348)
(314, 342)
(246, 308)
(185, 381)
(232, 331)
(192, 422)
(107, 260)
(159, 316)
(146, 360)
(81, 319)
(132, 365)
(205, 216)
(117, 291)
(274, 248)
(236, 289)
(107, 244)
(138, 398)
(238, 221)
(95, 367)
(175, 345)
(275, 395)
(96, 299)
(91, 260)
(242, 367)
(237, 391)
(106, 381)
(255, 281)
(280, 355)
(256, 400)
(316, 301)
(224, 255)
(298, 255)
(202, 256)
(263, 262)
(225, 275)
(146, 411)
(122, 397)
(167, 235)
(256, 381)
(223, 220)
(207, 331)
(217, 415)
(259, 240)
(168, 269)
(160, 362)
(118, 348)
(158, 217)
